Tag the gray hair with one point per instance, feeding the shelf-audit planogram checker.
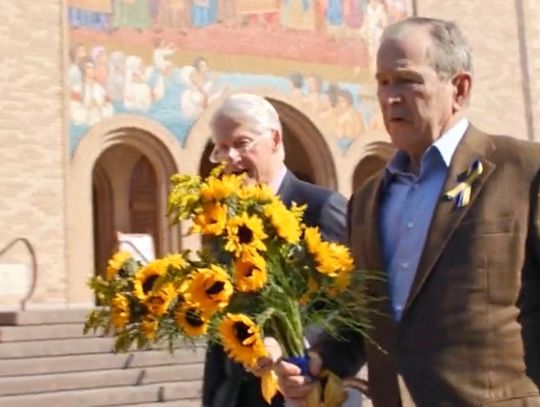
(253, 112)
(450, 53)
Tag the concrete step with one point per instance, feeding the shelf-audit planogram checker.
(55, 347)
(112, 396)
(40, 332)
(42, 317)
(77, 363)
(10, 386)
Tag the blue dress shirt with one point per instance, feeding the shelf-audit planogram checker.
(407, 205)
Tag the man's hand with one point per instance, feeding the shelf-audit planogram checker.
(265, 364)
(293, 385)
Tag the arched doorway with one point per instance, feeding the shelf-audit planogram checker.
(306, 153)
(126, 199)
(99, 182)
(103, 217)
(375, 158)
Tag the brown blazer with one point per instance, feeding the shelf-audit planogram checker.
(470, 333)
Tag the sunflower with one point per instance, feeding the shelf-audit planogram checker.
(191, 320)
(250, 273)
(215, 189)
(284, 221)
(333, 259)
(149, 327)
(211, 221)
(115, 264)
(145, 278)
(260, 193)
(159, 300)
(313, 240)
(312, 288)
(120, 312)
(176, 261)
(208, 288)
(245, 233)
(241, 339)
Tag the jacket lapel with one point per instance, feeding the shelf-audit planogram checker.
(474, 146)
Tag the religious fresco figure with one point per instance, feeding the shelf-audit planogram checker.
(203, 13)
(131, 14)
(298, 14)
(94, 14)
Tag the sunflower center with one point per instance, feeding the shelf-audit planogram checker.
(149, 283)
(245, 234)
(241, 331)
(249, 271)
(215, 288)
(193, 318)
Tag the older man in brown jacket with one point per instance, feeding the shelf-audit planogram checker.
(453, 222)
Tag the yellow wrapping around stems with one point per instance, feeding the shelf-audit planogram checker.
(328, 391)
(269, 386)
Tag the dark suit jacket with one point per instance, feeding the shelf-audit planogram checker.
(470, 333)
(227, 384)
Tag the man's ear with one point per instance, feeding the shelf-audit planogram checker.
(277, 140)
(462, 84)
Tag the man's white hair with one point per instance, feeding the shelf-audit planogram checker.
(253, 113)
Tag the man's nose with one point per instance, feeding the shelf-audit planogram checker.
(390, 95)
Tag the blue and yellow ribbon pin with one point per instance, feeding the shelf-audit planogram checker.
(461, 193)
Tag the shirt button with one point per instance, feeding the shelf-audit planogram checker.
(405, 264)
(410, 225)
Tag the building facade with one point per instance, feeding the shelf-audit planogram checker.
(103, 100)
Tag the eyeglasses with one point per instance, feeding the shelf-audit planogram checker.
(222, 153)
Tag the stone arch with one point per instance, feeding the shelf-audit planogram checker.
(150, 139)
(304, 125)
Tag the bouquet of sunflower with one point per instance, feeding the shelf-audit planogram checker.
(261, 271)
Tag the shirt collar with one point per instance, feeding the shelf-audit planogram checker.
(446, 144)
(275, 184)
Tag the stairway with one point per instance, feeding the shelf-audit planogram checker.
(45, 360)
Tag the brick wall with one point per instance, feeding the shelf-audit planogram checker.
(497, 99)
(32, 137)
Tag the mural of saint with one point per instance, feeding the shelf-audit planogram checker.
(353, 11)
(137, 92)
(334, 12)
(314, 100)
(201, 89)
(226, 12)
(298, 14)
(350, 122)
(101, 63)
(93, 14)
(203, 12)
(131, 14)
(398, 9)
(260, 11)
(94, 105)
(372, 29)
(116, 78)
(173, 13)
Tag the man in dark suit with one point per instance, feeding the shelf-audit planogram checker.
(453, 222)
(248, 139)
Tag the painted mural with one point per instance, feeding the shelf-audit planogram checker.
(170, 59)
